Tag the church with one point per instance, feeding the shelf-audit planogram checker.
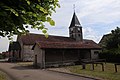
(60, 50)
(57, 50)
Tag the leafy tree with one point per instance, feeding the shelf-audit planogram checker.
(114, 40)
(111, 51)
(14, 14)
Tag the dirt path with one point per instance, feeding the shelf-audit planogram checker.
(16, 72)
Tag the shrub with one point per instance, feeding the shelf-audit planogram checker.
(110, 56)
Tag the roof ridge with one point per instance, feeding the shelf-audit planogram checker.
(48, 35)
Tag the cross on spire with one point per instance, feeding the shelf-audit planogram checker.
(74, 7)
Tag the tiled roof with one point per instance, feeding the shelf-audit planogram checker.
(30, 39)
(56, 42)
(87, 44)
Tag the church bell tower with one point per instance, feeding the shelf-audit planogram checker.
(75, 29)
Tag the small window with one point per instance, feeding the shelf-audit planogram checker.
(78, 29)
(77, 25)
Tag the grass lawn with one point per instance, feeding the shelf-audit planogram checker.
(3, 76)
(108, 74)
(25, 63)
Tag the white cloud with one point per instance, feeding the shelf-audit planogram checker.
(91, 34)
(4, 43)
(99, 11)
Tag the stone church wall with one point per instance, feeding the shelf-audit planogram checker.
(27, 53)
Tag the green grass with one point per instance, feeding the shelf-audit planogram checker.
(108, 74)
(25, 63)
(3, 76)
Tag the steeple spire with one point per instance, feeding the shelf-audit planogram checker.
(75, 29)
(75, 21)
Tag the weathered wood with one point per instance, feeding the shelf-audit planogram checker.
(83, 66)
(89, 61)
(63, 57)
(102, 66)
(93, 66)
(116, 66)
(92, 62)
(60, 63)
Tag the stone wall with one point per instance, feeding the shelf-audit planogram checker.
(27, 53)
(40, 55)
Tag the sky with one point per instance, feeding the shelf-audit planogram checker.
(97, 17)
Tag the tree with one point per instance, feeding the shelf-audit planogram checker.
(111, 51)
(114, 39)
(14, 14)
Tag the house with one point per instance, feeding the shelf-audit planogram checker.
(104, 39)
(59, 50)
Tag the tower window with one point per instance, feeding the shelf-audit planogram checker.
(71, 29)
(77, 25)
(78, 29)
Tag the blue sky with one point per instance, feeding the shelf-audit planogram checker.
(97, 17)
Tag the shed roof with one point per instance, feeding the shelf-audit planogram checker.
(87, 44)
(57, 42)
(30, 39)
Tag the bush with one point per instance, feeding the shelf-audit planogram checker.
(1, 56)
(110, 56)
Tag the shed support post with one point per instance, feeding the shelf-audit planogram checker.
(102, 66)
(83, 66)
(115, 67)
(93, 66)
(63, 57)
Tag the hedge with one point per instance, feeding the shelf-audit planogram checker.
(110, 57)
